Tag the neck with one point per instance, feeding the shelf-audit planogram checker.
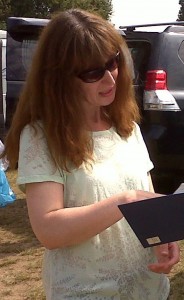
(97, 122)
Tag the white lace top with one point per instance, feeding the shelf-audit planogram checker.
(113, 264)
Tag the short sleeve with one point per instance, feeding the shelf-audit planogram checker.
(142, 144)
(35, 163)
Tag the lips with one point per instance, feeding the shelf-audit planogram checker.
(106, 93)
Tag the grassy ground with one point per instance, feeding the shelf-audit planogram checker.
(21, 255)
(20, 252)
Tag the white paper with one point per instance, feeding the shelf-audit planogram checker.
(180, 189)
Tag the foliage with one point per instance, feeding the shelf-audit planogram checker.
(45, 8)
(181, 11)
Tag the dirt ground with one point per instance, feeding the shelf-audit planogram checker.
(21, 255)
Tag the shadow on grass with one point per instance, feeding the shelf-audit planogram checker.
(15, 230)
(177, 286)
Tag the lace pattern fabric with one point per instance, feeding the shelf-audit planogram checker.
(113, 264)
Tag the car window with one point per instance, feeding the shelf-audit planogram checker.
(20, 51)
(181, 52)
(28, 47)
(140, 52)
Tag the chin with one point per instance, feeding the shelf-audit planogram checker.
(108, 101)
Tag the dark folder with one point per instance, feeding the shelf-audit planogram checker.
(156, 221)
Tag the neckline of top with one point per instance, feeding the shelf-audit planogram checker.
(102, 132)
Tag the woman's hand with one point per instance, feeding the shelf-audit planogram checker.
(136, 195)
(167, 255)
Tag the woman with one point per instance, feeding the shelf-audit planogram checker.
(80, 154)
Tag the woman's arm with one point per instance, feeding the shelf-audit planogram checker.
(56, 226)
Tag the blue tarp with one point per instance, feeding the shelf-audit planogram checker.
(7, 196)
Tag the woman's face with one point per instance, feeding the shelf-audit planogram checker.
(102, 91)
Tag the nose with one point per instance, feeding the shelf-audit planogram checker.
(109, 77)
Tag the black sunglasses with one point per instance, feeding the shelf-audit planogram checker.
(97, 74)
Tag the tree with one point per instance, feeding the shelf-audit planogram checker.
(45, 8)
(181, 11)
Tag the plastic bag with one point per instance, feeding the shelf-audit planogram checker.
(4, 164)
(7, 196)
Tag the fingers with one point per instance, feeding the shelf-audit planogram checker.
(168, 255)
(162, 252)
(160, 268)
(174, 251)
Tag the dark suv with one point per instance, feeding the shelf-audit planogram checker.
(158, 59)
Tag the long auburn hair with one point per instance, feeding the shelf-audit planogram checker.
(73, 41)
